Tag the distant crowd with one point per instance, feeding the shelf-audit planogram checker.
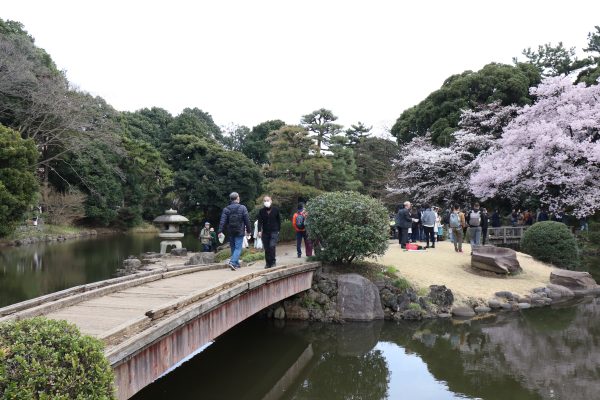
(411, 224)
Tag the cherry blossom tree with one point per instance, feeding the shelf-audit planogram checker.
(427, 173)
(549, 152)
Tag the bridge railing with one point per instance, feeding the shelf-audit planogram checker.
(506, 234)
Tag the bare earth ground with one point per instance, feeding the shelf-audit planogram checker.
(443, 266)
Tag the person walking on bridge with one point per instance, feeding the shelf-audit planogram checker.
(235, 218)
(299, 224)
(269, 225)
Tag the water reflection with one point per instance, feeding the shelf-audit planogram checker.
(540, 354)
(30, 271)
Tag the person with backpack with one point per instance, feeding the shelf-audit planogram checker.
(205, 238)
(269, 225)
(474, 222)
(299, 224)
(456, 221)
(428, 220)
(235, 218)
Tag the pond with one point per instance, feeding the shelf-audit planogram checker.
(34, 270)
(538, 354)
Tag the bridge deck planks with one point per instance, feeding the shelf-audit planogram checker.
(100, 315)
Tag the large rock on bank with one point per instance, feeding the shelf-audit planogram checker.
(572, 279)
(495, 259)
(358, 299)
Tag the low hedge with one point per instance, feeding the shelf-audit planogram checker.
(47, 359)
(551, 242)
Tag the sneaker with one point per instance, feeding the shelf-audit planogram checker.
(460, 251)
(299, 255)
(233, 267)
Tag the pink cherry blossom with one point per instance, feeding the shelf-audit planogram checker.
(550, 151)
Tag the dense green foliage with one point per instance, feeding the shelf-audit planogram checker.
(18, 185)
(255, 145)
(558, 60)
(440, 112)
(374, 162)
(207, 173)
(347, 226)
(47, 359)
(551, 242)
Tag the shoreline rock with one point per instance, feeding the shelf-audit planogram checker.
(322, 302)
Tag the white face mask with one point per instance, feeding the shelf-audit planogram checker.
(267, 204)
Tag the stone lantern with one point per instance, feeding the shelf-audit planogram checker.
(169, 229)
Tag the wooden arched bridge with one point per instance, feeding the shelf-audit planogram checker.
(151, 321)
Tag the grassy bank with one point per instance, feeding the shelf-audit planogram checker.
(41, 231)
(145, 227)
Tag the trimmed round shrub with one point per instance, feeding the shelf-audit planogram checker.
(47, 359)
(347, 226)
(551, 242)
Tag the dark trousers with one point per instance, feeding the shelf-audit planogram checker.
(414, 236)
(483, 235)
(429, 235)
(269, 240)
(307, 244)
(403, 237)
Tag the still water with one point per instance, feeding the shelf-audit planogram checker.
(30, 271)
(539, 354)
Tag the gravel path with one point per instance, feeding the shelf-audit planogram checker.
(443, 266)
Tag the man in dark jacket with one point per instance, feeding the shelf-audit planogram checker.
(484, 225)
(496, 220)
(269, 225)
(235, 217)
(403, 222)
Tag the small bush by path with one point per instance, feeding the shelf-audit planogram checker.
(348, 226)
(551, 242)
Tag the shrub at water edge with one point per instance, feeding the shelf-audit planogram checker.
(551, 242)
(47, 359)
(348, 226)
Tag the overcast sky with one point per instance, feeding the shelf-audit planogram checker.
(248, 61)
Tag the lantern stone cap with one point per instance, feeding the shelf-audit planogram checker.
(171, 216)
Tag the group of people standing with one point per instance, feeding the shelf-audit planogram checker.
(235, 221)
(428, 219)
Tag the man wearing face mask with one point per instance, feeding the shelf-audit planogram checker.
(269, 225)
